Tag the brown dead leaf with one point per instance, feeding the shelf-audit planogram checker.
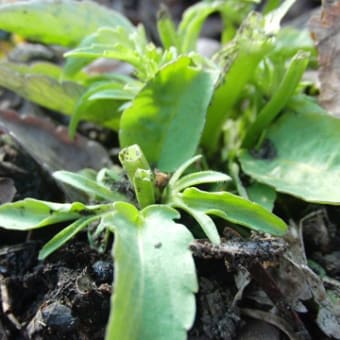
(7, 190)
(325, 30)
(51, 146)
(299, 283)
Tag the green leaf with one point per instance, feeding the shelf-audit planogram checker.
(89, 186)
(120, 44)
(205, 222)
(192, 22)
(273, 18)
(234, 209)
(59, 22)
(182, 168)
(290, 40)
(262, 194)
(239, 59)
(161, 116)
(166, 28)
(115, 94)
(154, 275)
(42, 89)
(200, 177)
(305, 156)
(99, 109)
(284, 92)
(104, 40)
(64, 236)
(31, 213)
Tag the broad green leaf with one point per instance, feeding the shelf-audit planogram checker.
(200, 177)
(64, 236)
(45, 90)
(31, 213)
(305, 156)
(167, 117)
(59, 22)
(154, 275)
(89, 186)
(262, 194)
(234, 209)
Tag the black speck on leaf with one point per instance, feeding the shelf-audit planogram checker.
(158, 245)
(267, 151)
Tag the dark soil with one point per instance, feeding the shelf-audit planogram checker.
(66, 297)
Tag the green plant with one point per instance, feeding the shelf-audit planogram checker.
(152, 296)
(250, 115)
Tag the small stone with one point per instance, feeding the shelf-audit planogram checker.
(102, 272)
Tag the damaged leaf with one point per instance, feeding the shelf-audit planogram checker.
(303, 165)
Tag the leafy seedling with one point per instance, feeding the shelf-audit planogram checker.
(244, 108)
(148, 243)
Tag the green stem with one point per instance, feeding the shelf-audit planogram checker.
(144, 185)
(234, 171)
(283, 94)
(132, 158)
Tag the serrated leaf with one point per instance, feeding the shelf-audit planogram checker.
(64, 236)
(153, 297)
(200, 177)
(305, 161)
(40, 88)
(31, 213)
(59, 22)
(88, 185)
(115, 43)
(160, 119)
(234, 209)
